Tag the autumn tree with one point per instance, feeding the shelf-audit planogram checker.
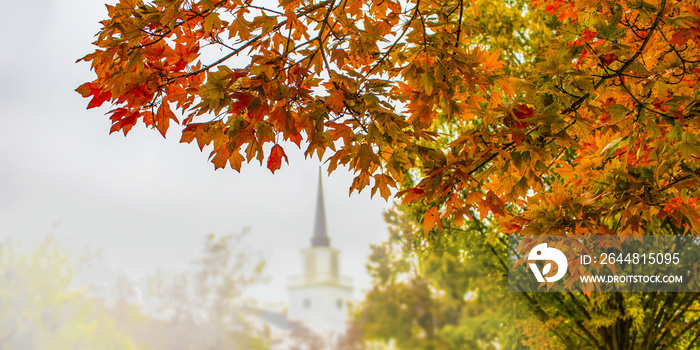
(448, 290)
(609, 109)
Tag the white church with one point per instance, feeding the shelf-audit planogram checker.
(320, 296)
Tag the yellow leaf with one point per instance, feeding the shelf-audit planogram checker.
(382, 183)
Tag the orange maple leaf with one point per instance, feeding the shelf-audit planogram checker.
(431, 217)
(410, 195)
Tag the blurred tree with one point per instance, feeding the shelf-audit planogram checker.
(444, 293)
(304, 338)
(203, 307)
(41, 309)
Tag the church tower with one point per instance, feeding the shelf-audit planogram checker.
(319, 296)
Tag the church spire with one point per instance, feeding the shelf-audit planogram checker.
(320, 238)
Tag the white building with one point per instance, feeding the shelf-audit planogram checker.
(320, 296)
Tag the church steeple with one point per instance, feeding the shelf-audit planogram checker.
(319, 296)
(320, 238)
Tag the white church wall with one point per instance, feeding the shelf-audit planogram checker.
(321, 307)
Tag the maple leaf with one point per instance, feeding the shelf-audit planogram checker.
(100, 96)
(335, 101)
(431, 217)
(383, 183)
(521, 113)
(494, 203)
(162, 118)
(410, 195)
(274, 161)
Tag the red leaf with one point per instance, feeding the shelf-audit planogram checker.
(410, 195)
(521, 113)
(94, 89)
(122, 121)
(608, 58)
(241, 102)
(589, 34)
(679, 38)
(275, 160)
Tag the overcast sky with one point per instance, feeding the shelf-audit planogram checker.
(146, 201)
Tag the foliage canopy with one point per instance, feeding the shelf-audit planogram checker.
(555, 116)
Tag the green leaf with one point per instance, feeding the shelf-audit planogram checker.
(612, 146)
